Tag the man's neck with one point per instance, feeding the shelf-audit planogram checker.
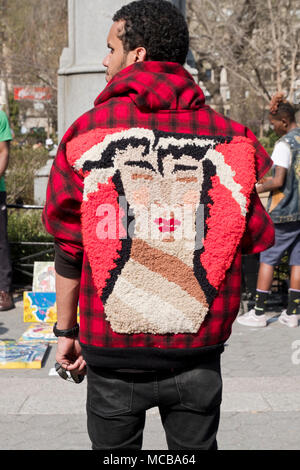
(292, 126)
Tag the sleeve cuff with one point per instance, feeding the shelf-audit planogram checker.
(65, 265)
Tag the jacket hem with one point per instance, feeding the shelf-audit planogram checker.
(148, 358)
(285, 218)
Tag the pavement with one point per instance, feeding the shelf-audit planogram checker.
(260, 408)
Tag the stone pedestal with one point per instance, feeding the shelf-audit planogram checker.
(40, 183)
(41, 177)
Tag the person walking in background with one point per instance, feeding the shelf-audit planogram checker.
(6, 298)
(284, 209)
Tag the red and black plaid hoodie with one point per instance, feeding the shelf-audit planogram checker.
(152, 197)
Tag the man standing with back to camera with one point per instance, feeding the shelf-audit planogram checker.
(152, 201)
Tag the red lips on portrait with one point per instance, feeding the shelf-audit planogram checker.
(167, 225)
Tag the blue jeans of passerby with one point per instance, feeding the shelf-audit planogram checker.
(188, 402)
(5, 263)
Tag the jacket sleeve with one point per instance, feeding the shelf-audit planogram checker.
(61, 215)
(263, 160)
(259, 234)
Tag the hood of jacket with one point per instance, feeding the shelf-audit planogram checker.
(155, 86)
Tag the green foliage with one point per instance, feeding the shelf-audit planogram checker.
(14, 112)
(283, 271)
(23, 163)
(268, 140)
(38, 134)
(26, 226)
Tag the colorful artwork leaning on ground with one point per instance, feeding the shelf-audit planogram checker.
(39, 332)
(39, 307)
(15, 355)
(40, 303)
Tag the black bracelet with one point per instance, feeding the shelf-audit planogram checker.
(70, 333)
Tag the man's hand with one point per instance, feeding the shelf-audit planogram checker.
(272, 183)
(68, 354)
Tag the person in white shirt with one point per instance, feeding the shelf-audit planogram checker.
(284, 210)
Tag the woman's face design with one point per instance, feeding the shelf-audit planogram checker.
(163, 201)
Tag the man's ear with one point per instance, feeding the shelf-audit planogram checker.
(285, 122)
(140, 54)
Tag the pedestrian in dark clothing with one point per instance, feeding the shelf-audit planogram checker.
(6, 298)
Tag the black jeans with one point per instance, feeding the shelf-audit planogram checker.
(188, 401)
(5, 263)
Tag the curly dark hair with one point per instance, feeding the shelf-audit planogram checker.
(281, 108)
(156, 25)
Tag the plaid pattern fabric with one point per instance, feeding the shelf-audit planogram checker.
(161, 96)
